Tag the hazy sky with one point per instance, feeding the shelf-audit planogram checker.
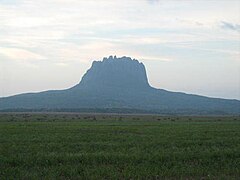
(191, 46)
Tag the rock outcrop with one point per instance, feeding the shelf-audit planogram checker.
(121, 72)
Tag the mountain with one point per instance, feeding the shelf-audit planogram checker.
(119, 85)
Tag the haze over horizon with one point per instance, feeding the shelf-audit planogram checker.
(186, 46)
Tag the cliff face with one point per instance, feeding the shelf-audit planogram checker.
(116, 72)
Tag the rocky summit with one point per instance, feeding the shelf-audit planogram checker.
(119, 85)
(121, 72)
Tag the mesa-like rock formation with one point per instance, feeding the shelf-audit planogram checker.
(116, 72)
(119, 85)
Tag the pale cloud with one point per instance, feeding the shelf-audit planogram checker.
(27, 22)
(153, 1)
(62, 64)
(232, 52)
(231, 26)
(164, 38)
(19, 54)
(157, 58)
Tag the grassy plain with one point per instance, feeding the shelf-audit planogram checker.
(98, 146)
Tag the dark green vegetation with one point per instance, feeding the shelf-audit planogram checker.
(118, 85)
(84, 146)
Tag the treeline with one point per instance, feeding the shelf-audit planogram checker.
(121, 111)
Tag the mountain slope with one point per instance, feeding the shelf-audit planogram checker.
(120, 83)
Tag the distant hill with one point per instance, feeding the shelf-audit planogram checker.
(119, 85)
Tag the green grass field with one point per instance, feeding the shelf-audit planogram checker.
(83, 146)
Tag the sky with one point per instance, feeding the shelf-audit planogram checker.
(190, 46)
